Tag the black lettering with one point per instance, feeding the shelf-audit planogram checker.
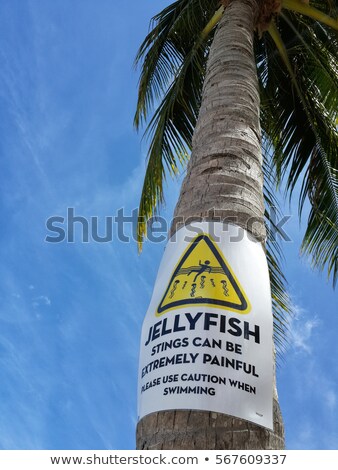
(207, 320)
(164, 330)
(255, 333)
(193, 320)
(234, 323)
(149, 336)
(176, 324)
(156, 331)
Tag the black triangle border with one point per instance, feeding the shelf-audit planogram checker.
(223, 303)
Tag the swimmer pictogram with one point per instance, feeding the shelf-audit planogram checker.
(204, 277)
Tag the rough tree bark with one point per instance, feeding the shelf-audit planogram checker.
(224, 181)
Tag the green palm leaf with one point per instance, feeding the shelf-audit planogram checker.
(180, 29)
(298, 119)
(302, 129)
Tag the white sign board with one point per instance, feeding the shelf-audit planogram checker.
(206, 340)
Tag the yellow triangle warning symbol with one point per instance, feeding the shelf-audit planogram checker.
(204, 277)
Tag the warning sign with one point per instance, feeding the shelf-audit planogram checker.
(206, 341)
(204, 277)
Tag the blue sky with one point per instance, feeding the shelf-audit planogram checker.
(71, 313)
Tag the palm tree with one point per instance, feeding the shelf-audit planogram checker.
(250, 87)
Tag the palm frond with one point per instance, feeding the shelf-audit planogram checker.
(310, 11)
(281, 303)
(299, 112)
(299, 116)
(174, 32)
(171, 127)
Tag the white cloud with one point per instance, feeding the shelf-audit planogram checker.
(313, 392)
(302, 328)
(302, 333)
(41, 300)
(331, 399)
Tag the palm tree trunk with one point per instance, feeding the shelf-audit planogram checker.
(224, 181)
